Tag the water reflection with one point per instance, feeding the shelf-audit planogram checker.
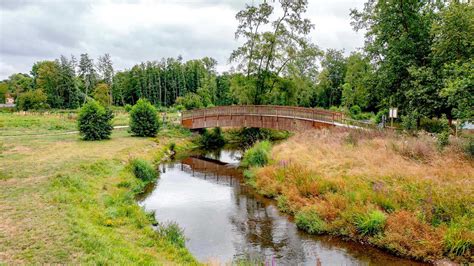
(226, 220)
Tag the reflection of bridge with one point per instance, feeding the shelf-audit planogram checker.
(262, 116)
(211, 169)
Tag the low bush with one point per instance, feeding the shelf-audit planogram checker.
(95, 121)
(370, 223)
(258, 155)
(143, 170)
(32, 100)
(128, 108)
(143, 119)
(309, 221)
(212, 139)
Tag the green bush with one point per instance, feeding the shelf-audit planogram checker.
(172, 233)
(143, 119)
(470, 148)
(128, 108)
(143, 170)
(378, 116)
(258, 155)
(32, 100)
(355, 111)
(443, 136)
(432, 125)
(95, 121)
(409, 122)
(190, 101)
(310, 222)
(371, 223)
(212, 139)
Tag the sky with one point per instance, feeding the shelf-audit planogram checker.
(133, 31)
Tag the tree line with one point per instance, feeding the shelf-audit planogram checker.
(418, 56)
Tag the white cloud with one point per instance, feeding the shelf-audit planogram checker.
(141, 30)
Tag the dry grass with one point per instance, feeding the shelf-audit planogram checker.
(345, 175)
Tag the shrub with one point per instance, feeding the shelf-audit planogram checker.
(190, 101)
(409, 122)
(172, 233)
(309, 221)
(370, 223)
(143, 119)
(378, 116)
(143, 170)
(443, 136)
(355, 111)
(95, 121)
(258, 155)
(128, 108)
(470, 148)
(432, 125)
(213, 139)
(35, 99)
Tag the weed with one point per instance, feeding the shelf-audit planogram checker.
(309, 221)
(143, 170)
(370, 223)
(173, 233)
(258, 155)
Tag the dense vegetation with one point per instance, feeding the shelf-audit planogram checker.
(95, 121)
(143, 119)
(398, 192)
(418, 56)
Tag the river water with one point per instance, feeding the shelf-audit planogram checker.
(224, 220)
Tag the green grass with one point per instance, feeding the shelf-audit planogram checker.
(370, 223)
(258, 155)
(68, 201)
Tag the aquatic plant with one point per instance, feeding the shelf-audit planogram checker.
(258, 155)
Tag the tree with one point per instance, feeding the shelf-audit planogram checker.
(357, 81)
(331, 78)
(102, 94)
(143, 119)
(266, 54)
(87, 74)
(32, 100)
(95, 121)
(19, 83)
(106, 71)
(3, 91)
(458, 89)
(67, 84)
(397, 39)
(47, 77)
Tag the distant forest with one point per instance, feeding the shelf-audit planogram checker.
(418, 56)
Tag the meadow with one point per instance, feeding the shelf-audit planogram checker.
(65, 200)
(398, 192)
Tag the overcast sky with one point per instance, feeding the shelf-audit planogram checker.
(141, 30)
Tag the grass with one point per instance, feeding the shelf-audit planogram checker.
(397, 192)
(257, 155)
(68, 201)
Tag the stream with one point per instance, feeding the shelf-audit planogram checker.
(225, 220)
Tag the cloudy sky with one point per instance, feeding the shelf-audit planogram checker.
(141, 30)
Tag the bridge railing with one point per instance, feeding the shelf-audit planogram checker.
(267, 110)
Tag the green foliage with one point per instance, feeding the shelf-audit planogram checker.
(95, 121)
(3, 91)
(172, 233)
(457, 241)
(355, 111)
(102, 94)
(370, 223)
(212, 139)
(378, 116)
(143, 119)
(309, 221)
(258, 155)
(143, 170)
(32, 100)
(470, 147)
(410, 122)
(128, 108)
(190, 101)
(432, 125)
(443, 136)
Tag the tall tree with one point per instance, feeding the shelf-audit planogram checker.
(87, 74)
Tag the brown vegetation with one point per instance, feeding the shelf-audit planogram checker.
(397, 192)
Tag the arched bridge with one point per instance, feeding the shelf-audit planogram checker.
(262, 116)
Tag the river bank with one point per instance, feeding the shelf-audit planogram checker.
(395, 192)
(68, 201)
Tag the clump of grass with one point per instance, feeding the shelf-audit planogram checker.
(258, 155)
(143, 170)
(309, 221)
(459, 239)
(370, 223)
(173, 233)
(212, 139)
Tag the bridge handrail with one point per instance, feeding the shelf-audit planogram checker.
(267, 110)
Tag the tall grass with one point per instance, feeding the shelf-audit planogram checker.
(394, 191)
(143, 170)
(258, 155)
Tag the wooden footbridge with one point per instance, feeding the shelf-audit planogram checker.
(263, 116)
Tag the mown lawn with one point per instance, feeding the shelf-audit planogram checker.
(64, 200)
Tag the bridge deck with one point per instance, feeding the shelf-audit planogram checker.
(263, 116)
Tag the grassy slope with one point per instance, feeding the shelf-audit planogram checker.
(63, 200)
(395, 192)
